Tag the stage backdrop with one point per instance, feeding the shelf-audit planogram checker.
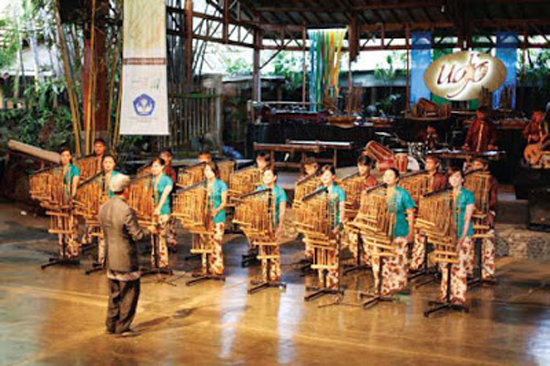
(144, 90)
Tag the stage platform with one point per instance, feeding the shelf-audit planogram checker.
(56, 316)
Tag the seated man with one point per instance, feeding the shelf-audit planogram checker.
(482, 134)
(537, 129)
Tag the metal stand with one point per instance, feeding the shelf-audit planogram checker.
(156, 270)
(376, 297)
(265, 282)
(447, 305)
(205, 275)
(250, 258)
(61, 260)
(358, 266)
(425, 270)
(96, 267)
(478, 279)
(260, 285)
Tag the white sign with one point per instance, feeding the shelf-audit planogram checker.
(144, 90)
(462, 75)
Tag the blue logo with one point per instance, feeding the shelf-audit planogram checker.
(144, 105)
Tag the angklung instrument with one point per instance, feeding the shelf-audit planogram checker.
(190, 175)
(226, 167)
(417, 184)
(315, 218)
(479, 183)
(244, 181)
(47, 186)
(306, 186)
(255, 214)
(193, 208)
(437, 219)
(91, 194)
(353, 187)
(376, 222)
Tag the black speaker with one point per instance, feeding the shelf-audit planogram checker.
(539, 209)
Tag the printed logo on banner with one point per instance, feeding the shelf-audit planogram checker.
(144, 105)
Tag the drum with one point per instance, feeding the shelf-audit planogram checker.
(401, 162)
(377, 151)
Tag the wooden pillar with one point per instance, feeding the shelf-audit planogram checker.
(256, 78)
(94, 70)
(188, 43)
(225, 31)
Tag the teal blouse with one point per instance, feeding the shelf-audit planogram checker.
(215, 199)
(464, 198)
(110, 193)
(400, 203)
(280, 196)
(164, 182)
(71, 172)
(336, 195)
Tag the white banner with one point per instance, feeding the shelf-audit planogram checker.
(144, 90)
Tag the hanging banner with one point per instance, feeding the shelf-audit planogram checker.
(144, 90)
(421, 57)
(461, 75)
(507, 51)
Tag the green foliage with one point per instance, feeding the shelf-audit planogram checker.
(237, 67)
(288, 65)
(8, 49)
(389, 104)
(46, 122)
(390, 69)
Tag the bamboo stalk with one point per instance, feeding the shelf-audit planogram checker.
(88, 121)
(75, 117)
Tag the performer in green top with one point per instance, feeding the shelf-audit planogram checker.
(337, 201)
(401, 204)
(71, 178)
(217, 201)
(463, 208)
(278, 194)
(162, 186)
(109, 164)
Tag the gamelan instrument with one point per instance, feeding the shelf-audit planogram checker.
(315, 218)
(467, 155)
(401, 162)
(378, 152)
(427, 109)
(255, 214)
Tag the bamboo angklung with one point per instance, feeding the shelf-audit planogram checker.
(88, 166)
(244, 181)
(226, 167)
(306, 186)
(190, 175)
(194, 210)
(315, 218)
(47, 186)
(479, 182)
(141, 200)
(417, 184)
(255, 214)
(353, 186)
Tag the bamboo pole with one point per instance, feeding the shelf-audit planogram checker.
(75, 115)
(89, 120)
(408, 90)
